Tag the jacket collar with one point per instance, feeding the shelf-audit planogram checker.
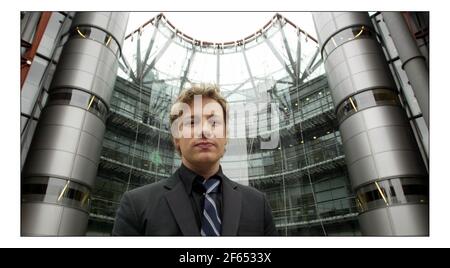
(180, 206)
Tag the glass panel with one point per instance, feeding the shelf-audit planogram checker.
(96, 35)
(392, 191)
(80, 99)
(56, 191)
(366, 99)
(345, 36)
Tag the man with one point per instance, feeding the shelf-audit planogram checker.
(198, 199)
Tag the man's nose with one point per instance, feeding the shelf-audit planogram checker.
(206, 129)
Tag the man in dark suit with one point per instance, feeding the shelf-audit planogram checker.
(198, 199)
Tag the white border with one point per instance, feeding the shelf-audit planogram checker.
(10, 156)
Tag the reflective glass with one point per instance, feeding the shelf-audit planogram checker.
(345, 36)
(98, 35)
(80, 99)
(366, 99)
(391, 192)
(56, 191)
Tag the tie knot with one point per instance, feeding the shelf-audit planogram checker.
(211, 185)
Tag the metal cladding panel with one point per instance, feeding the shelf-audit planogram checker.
(391, 138)
(40, 219)
(86, 46)
(64, 115)
(86, 62)
(399, 163)
(411, 220)
(90, 147)
(75, 78)
(353, 48)
(56, 137)
(378, 143)
(362, 171)
(78, 49)
(94, 125)
(385, 116)
(114, 23)
(401, 220)
(358, 82)
(375, 222)
(88, 65)
(374, 117)
(351, 126)
(48, 163)
(349, 72)
(73, 222)
(357, 147)
(84, 171)
(328, 23)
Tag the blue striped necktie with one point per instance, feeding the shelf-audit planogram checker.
(211, 223)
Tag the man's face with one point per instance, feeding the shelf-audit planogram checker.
(203, 133)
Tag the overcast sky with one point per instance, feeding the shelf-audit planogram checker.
(221, 26)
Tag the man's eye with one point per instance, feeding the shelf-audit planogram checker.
(217, 123)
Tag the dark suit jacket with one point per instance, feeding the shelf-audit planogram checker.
(164, 208)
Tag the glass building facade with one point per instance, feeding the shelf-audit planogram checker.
(276, 73)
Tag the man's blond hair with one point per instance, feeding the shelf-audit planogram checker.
(204, 90)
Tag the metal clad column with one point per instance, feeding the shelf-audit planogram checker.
(413, 62)
(61, 167)
(380, 151)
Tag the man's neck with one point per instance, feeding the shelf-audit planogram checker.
(205, 171)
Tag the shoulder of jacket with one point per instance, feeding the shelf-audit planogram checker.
(147, 190)
(249, 190)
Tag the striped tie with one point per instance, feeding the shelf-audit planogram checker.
(211, 223)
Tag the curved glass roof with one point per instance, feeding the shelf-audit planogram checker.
(280, 52)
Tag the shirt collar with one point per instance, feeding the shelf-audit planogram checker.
(189, 177)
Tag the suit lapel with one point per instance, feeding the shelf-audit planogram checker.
(231, 207)
(181, 206)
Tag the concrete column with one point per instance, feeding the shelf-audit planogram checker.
(382, 157)
(62, 162)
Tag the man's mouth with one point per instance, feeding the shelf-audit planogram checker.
(204, 145)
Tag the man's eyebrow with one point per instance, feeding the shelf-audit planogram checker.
(212, 115)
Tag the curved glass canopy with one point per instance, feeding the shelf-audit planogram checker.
(159, 53)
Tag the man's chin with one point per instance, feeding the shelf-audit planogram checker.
(206, 158)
